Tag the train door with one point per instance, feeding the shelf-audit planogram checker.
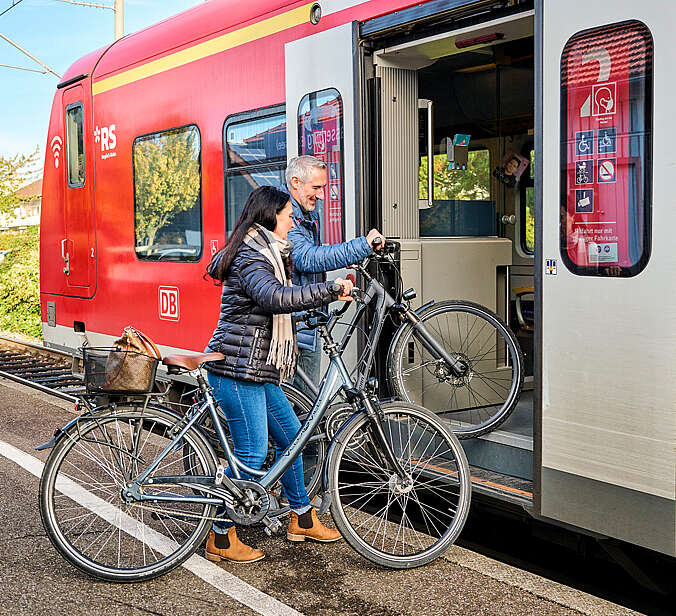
(456, 113)
(604, 166)
(77, 245)
(321, 120)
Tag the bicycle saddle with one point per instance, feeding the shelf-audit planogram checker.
(191, 362)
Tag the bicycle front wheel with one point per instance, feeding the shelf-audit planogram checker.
(394, 521)
(481, 399)
(82, 502)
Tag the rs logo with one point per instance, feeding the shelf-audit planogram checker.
(106, 136)
(168, 303)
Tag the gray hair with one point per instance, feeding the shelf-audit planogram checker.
(301, 168)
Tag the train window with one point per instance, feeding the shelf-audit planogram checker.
(606, 150)
(462, 204)
(255, 147)
(320, 134)
(527, 218)
(75, 145)
(168, 195)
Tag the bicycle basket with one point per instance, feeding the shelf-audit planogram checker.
(112, 370)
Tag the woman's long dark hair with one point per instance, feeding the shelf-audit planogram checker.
(261, 207)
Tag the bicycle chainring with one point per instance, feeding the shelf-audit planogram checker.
(253, 511)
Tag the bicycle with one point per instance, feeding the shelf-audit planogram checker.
(454, 357)
(129, 490)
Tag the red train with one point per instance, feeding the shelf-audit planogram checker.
(155, 141)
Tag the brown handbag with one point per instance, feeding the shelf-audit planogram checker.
(132, 365)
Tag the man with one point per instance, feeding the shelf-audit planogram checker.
(306, 178)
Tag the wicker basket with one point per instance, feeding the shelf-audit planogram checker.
(110, 370)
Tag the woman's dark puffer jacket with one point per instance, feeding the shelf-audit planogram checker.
(251, 295)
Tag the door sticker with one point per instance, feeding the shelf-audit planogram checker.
(607, 167)
(584, 201)
(584, 143)
(584, 172)
(606, 139)
(550, 267)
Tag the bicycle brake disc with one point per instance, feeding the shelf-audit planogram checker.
(251, 512)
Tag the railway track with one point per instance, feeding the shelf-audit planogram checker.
(40, 368)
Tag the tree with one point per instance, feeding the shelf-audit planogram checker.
(14, 171)
(470, 184)
(167, 180)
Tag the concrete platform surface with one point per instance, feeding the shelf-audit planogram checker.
(303, 578)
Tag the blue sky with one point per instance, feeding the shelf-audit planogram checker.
(57, 34)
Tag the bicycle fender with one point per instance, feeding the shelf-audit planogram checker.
(59, 433)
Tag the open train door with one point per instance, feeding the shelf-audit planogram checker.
(321, 120)
(604, 238)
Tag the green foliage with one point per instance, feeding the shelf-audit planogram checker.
(167, 180)
(20, 282)
(13, 172)
(472, 184)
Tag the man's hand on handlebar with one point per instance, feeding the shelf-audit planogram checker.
(373, 235)
(347, 286)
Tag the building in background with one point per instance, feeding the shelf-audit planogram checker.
(27, 210)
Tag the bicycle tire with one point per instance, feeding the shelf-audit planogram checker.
(437, 498)
(475, 404)
(81, 503)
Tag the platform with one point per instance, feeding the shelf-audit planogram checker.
(293, 579)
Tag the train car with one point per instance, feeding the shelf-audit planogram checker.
(514, 149)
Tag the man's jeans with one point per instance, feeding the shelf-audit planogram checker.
(253, 411)
(310, 362)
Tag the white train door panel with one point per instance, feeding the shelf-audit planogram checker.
(321, 119)
(605, 160)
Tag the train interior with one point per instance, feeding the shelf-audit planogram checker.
(470, 94)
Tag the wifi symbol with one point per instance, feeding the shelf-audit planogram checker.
(56, 149)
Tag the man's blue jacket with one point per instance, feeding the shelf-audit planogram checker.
(311, 260)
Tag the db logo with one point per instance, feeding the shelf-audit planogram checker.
(168, 303)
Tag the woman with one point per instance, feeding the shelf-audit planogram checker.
(256, 334)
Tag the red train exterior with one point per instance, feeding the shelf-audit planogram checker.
(196, 68)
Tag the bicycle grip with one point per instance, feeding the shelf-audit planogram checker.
(377, 241)
(337, 288)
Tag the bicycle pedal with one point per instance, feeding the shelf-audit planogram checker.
(272, 526)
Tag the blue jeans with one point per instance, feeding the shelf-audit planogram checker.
(253, 411)
(310, 362)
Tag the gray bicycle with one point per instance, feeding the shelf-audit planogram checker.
(130, 489)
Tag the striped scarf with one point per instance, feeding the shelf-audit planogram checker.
(283, 351)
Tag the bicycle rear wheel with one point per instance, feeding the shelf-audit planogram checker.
(81, 496)
(485, 396)
(393, 522)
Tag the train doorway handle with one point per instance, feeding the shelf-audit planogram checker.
(65, 256)
(424, 103)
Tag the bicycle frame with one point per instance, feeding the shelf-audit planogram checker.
(336, 375)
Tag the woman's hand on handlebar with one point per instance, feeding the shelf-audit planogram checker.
(346, 292)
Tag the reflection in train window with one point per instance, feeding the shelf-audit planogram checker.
(320, 134)
(462, 203)
(606, 150)
(168, 195)
(527, 217)
(255, 155)
(75, 145)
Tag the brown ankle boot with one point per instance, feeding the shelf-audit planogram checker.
(236, 552)
(308, 526)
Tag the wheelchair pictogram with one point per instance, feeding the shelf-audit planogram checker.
(584, 143)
